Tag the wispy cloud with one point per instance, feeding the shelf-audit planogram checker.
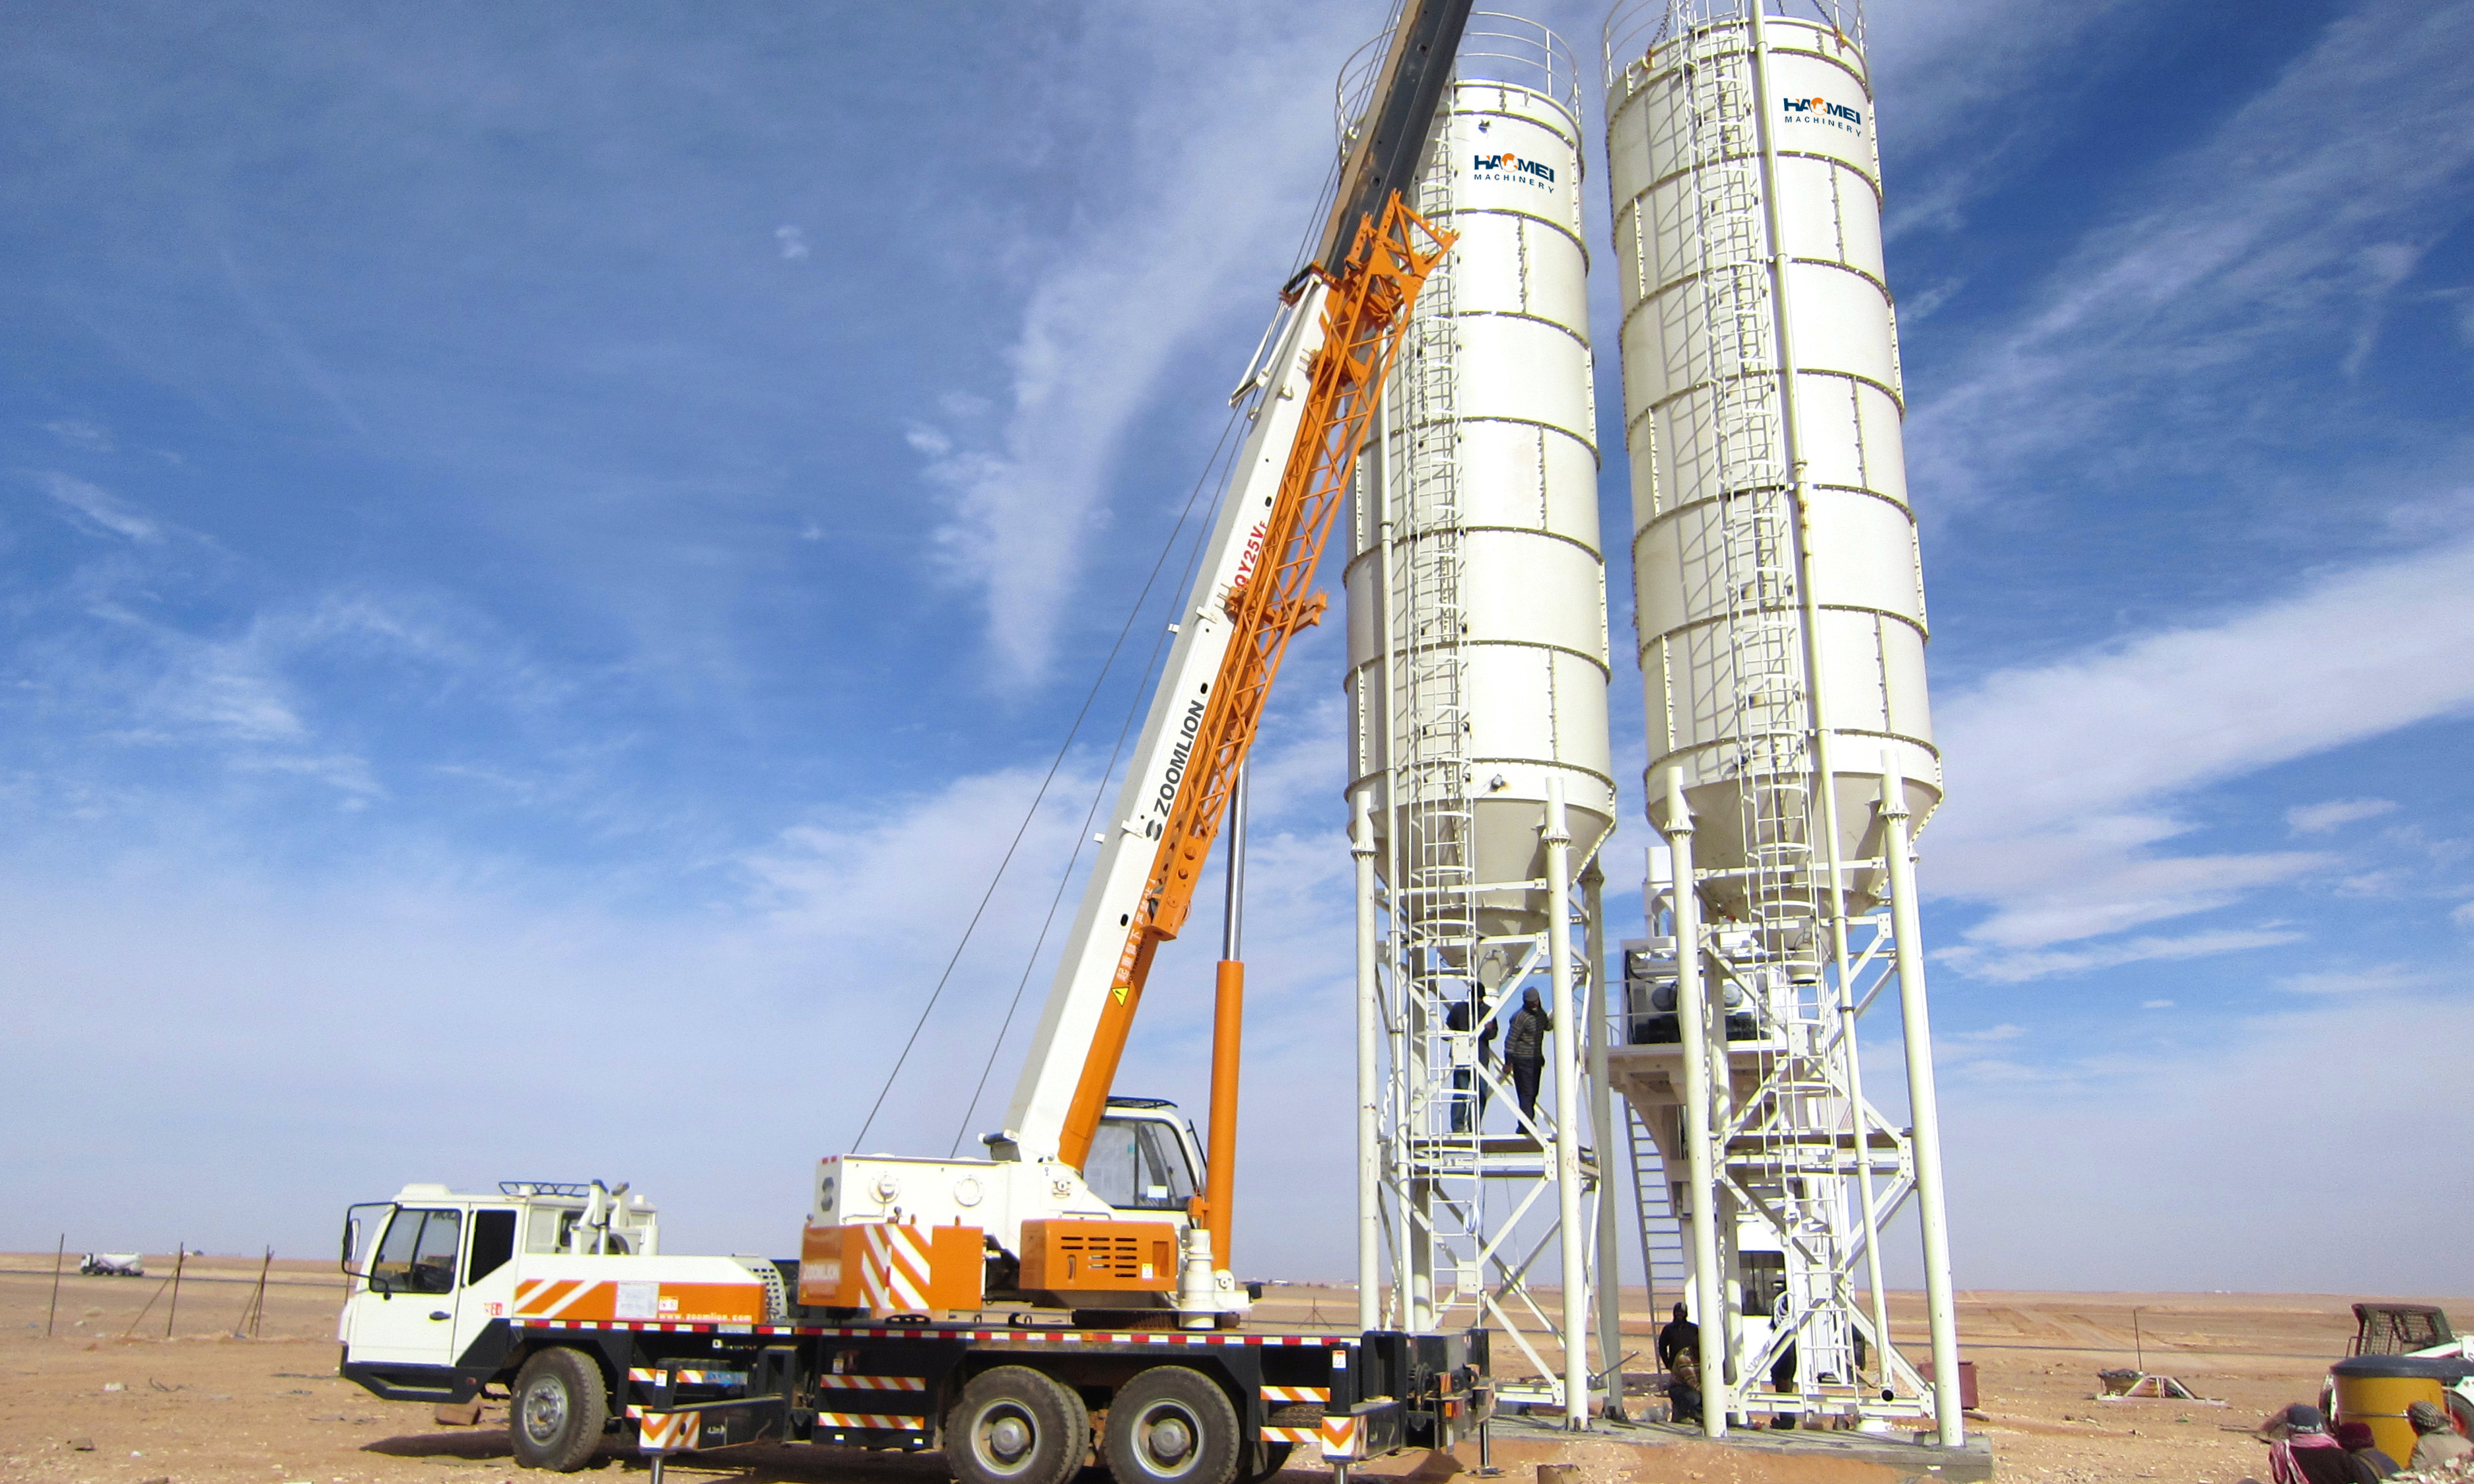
(2178, 1137)
(2267, 251)
(2321, 818)
(2057, 773)
(99, 510)
(2371, 979)
(1954, 73)
(79, 433)
(1194, 233)
(2010, 968)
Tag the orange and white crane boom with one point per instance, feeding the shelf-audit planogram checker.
(1254, 593)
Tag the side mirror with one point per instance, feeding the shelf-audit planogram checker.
(362, 1224)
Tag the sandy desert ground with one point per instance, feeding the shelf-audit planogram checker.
(109, 1399)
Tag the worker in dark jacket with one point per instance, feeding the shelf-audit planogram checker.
(1524, 1050)
(1676, 1336)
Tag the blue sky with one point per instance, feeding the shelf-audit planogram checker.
(548, 551)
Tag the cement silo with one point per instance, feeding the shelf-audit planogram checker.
(1481, 772)
(1781, 633)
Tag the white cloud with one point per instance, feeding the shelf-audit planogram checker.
(1192, 233)
(1951, 74)
(497, 986)
(2018, 967)
(2275, 242)
(2462, 915)
(2055, 772)
(2155, 1005)
(2372, 979)
(79, 433)
(98, 509)
(2075, 1181)
(794, 243)
(2320, 819)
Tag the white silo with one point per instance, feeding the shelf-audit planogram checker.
(1727, 458)
(1781, 630)
(1478, 671)
(1482, 609)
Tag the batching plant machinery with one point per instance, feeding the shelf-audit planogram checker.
(1482, 785)
(1781, 632)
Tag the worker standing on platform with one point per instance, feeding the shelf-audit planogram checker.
(1524, 1050)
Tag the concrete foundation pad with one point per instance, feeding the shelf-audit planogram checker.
(1774, 1456)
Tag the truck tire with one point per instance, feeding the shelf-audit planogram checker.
(1171, 1424)
(1016, 1426)
(557, 1414)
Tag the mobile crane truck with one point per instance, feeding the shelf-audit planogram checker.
(1085, 1229)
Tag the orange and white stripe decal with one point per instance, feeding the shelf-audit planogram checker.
(1292, 1434)
(893, 1268)
(871, 1420)
(872, 1382)
(671, 1432)
(578, 1300)
(1339, 1436)
(1297, 1393)
(547, 1298)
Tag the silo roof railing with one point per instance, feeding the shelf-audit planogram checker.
(1495, 48)
(1635, 28)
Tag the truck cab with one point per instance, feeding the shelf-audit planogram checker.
(435, 1275)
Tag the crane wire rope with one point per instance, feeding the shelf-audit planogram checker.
(1098, 793)
(1134, 612)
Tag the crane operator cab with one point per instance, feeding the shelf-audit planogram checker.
(1144, 1157)
(1118, 1233)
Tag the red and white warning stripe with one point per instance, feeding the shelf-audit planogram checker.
(671, 1432)
(873, 1382)
(651, 1375)
(893, 1268)
(1321, 1394)
(1292, 1434)
(995, 1338)
(871, 1420)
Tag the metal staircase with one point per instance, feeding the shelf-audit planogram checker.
(1663, 1259)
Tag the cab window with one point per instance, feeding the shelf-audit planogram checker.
(1138, 1165)
(494, 1243)
(418, 1252)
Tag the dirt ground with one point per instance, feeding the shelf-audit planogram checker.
(109, 1399)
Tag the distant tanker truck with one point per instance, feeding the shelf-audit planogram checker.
(112, 1265)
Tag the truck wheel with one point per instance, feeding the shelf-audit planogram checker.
(557, 1414)
(1015, 1425)
(1171, 1426)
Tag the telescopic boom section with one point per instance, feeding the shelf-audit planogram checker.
(1365, 308)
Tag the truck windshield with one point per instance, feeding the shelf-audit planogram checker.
(1138, 1165)
(418, 1252)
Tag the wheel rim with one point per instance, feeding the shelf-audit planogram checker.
(1168, 1438)
(1004, 1438)
(545, 1410)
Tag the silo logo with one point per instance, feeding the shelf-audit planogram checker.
(1510, 166)
(1820, 110)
